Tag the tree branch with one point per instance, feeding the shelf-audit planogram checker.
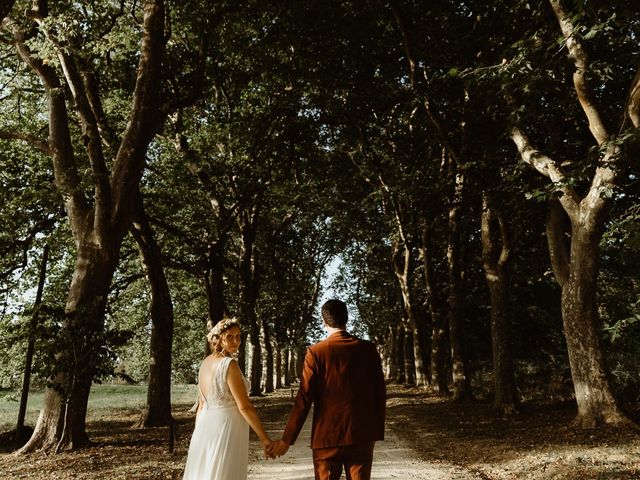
(60, 145)
(32, 140)
(145, 118)
(558, 249)
(604, 179)
(632, 108)
(443, 136)
(92, 140)
(90, 82)
(225, 217)
(427, 103)
(43, 226)
(580, 61)
(178, 102)
(406, 41)
(547, 167)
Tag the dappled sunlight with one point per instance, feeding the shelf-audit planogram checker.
(393, 458)
(427, 438)
(280, 470)
(538, 444)
(566, 463)
(391, 461)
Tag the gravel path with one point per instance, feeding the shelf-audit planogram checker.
(391, 460)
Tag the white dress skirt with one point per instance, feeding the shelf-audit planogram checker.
(219, 448)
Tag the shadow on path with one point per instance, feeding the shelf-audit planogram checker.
(393, 458)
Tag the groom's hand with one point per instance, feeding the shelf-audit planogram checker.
(278, 448)
(266, 445)
(268, 450)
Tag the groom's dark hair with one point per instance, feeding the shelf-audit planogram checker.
(334, 313)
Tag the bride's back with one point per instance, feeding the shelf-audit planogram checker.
(212, 380)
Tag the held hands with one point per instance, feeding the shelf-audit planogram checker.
(266, 445)
(277, 449)
(274, 449)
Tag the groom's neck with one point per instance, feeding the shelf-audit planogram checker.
(332, 330)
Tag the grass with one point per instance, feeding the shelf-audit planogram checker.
(441, 435)
(122, 451)
(102, 400)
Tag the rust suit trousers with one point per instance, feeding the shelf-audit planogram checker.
(355, 459)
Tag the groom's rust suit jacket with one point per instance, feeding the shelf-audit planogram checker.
(342, 377)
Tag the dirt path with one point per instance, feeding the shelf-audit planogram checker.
(393, 459)
(430, 437)
(427, 437)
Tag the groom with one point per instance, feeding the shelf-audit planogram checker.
(342, 378)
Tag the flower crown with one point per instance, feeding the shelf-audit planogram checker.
(221, 326)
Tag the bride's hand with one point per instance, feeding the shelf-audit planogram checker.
(266, 444)
(278, 448)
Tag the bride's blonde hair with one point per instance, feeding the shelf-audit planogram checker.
(215, 334)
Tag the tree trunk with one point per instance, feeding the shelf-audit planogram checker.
(438, 354)
(439, 325)
(409, 359)
(97, 225)
(402, 262)
(577, 274)
(249, 295)
(578, 279)
(214, 286)
(268, 383)
(300, 354)
(61, 424)
(591, 379)
(286, 363)
(215, 282)
(278, 362)
(461, 380)
(158, 409)
(26, 381)
(505, 401)
(494, 260)
(399, 353)
(419, 350)
(256, 350)
(223, 218)
(242, 355)
(391, 352)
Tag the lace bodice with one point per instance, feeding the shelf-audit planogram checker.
(219, 394)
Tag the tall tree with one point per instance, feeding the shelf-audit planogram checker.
(249, 290)
(577, 270)
(495, 258)
(26, 382)
(99, 221)
(157, 411)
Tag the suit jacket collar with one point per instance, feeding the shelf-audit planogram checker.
(339, 334)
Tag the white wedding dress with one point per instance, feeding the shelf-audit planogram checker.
(219, 448)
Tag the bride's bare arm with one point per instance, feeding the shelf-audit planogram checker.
(200, 404)
(248, 411)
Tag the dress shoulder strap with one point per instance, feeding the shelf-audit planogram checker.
(220, 378)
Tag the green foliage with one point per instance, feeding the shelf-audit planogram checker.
(619, 298)
(308, 117)
(16, 330)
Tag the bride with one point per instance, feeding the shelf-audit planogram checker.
(219, 448)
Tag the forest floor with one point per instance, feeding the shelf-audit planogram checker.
(428, 437)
